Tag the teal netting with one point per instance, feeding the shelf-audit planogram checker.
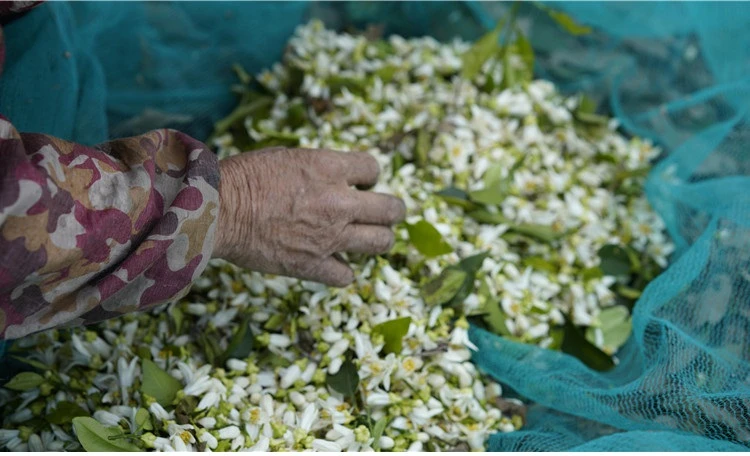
(678, 73)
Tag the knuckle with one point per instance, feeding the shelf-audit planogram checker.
(328, 162)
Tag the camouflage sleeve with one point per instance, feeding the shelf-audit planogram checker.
(88, 233)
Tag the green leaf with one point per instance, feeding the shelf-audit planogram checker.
(456, 197)
(143, 352)
(627, 292)
(95, 437)
(346, 380)
(242, 75)
(574, 343)
(255, 108)
(586, 105)
(25, 381)
(566, 22)
(489, 195)
(612, 317)
(591, 119)
(242, 342)
(541, 232)
(185, 409)
(397, 162)
(526, 52)
(539, 263)
(353, 85)
(495, 318)
(296, 115)
(614, 260)
(275, 322)
(393, 333)
(443, 288)
(628, 173)
(143, 420)
(211, 348)
(486, 47)
(509, 73)
(422, 148)
(591, 273)
(178, 318)
(427, 239)
(470, 265)
(65, 412)
(377, 431)
(159, 384)
(386, 73)
(33, 363)
(485, 216)
(616, 326)
(495, 188)
(557, 335)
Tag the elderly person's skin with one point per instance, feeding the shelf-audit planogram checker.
(288, 212)
(91, 232)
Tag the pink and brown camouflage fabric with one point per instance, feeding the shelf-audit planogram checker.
(88, 233)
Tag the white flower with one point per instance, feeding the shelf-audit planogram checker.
(280, 341)
(208, 438)
(229, 432)
(379, 372)
(107, 418)
(35, 443)
(415, 447)
(198, 386)
(385, 442)
(210, 400)
(325, 445)
(460, 336)
(378, 399)
(207, 422)
(236, 364)
(290, 376)
(338, 348)
(163, 444)
(263, 444)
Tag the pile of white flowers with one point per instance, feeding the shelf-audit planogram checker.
(516, 197)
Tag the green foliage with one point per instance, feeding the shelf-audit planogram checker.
(393, 333)
(25, 381)
(65, 412)
(95, 437)
(242, 342)
(346, 380)
(427, 239)
(159, 384)
(615, 324)
(575, 343)
(483, 49)
(444, 287)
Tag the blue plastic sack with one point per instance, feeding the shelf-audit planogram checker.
(678, 73)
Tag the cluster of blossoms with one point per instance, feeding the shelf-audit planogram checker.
(253, 362)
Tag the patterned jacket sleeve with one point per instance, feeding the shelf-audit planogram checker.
(88, 233)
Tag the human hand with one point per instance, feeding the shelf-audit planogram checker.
(290, 211)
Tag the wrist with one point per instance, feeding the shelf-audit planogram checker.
(223, 227)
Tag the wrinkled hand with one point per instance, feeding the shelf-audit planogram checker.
(290, 211)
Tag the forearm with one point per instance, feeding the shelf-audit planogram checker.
(91, 233)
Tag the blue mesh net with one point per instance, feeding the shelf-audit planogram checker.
(673, 72)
